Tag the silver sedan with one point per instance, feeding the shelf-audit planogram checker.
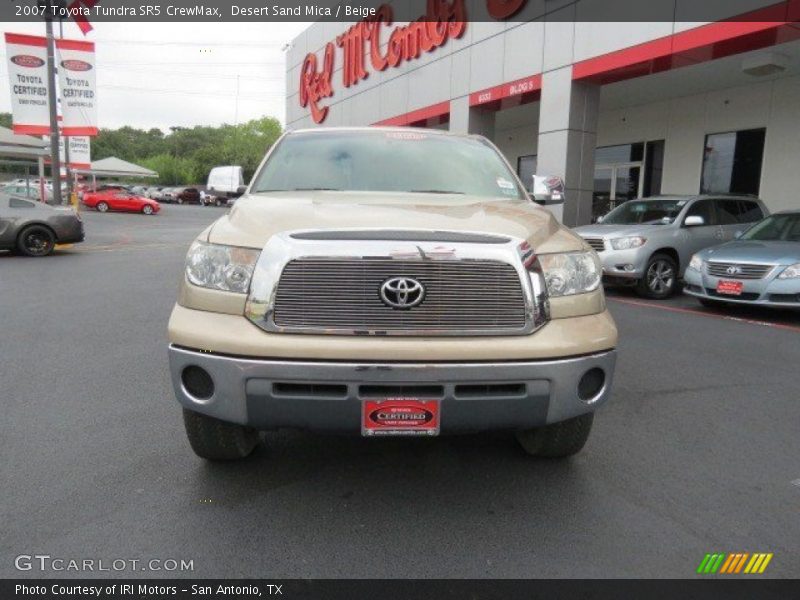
(761, 267)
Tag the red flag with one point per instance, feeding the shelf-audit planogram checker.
(80, 19)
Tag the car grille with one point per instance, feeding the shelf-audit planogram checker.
(745, 271)
(597, 244)
(344, 294)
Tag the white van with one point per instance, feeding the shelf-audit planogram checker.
(224, 183)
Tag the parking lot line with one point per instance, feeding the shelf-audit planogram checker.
(702, 313)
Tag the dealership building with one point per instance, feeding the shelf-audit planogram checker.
(618, 109)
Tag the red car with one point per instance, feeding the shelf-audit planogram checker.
(113, 199)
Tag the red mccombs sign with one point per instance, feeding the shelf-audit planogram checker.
(443, 20)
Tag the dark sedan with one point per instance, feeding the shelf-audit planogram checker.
(33, 228)
(187, 195)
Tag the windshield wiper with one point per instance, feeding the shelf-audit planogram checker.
(434, 192)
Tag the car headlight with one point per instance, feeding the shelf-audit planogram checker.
(217, 267)
(628, 243)
(571, 272)
(790, 272)
(696, 263)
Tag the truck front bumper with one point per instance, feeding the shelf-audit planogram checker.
(328, 395)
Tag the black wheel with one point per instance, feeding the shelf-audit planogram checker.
(660, 278)
(213, 439)
(102, 207)
(147, 209)
(36, 240)
(558, 440)
(179, 201)
(217, 202)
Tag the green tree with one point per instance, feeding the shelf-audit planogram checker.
(172, 170)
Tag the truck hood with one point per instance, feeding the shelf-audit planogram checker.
(255, 218)
(782, 253)
(614, 231)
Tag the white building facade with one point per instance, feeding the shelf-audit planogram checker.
(618, 109)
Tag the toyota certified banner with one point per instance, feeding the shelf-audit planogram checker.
(27, 72)
(79, 152)
(76, 78)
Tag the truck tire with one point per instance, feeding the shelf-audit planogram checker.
(558, 440)
(213, 439)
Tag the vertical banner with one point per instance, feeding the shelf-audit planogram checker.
(76, 77)
(79, 152)
(27, 73)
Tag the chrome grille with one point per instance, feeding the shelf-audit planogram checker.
(744, 271)
(597, 244)
(344, 294)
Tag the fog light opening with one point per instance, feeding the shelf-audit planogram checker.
(591, 384)
(197, 382)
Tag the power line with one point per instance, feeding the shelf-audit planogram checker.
(195, 44)
(188, 92)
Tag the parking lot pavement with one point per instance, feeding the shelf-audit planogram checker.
(695, 453)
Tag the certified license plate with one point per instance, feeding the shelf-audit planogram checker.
(400, 416)
(729, 288)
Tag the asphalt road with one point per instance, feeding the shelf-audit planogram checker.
(697, 451)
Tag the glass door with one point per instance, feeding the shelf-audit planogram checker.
(615, 184)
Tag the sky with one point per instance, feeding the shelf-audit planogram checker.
(168, 74)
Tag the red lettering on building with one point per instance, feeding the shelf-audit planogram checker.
(503, 9)
(443, 20)
(317, 85)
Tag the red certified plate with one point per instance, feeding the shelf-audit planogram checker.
(400, 416)
(729, 288)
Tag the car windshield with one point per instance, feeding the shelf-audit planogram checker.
(387, 161)
(776, 228)
(645, 212)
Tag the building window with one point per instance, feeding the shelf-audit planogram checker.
(653, 168)
(732, 162)
(625, 172)
(526, 169)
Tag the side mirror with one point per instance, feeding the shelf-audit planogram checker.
(600, 219)
(738, 234)
(241, 189)
(694, 221)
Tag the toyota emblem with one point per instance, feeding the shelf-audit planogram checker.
(733, 270)
(402, 292)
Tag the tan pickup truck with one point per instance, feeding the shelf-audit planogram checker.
(389, 281)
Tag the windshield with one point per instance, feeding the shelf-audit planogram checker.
(387, 161)
(776, 228)
(645, 212)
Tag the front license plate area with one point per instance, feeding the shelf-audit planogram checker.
(400, 416)
(729, 288)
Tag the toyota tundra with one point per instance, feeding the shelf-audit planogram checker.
(389, 281)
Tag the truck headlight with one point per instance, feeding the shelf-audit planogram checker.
(628, 243)
(790, 272)
(571, 273)
(696, 264)
(217, 267)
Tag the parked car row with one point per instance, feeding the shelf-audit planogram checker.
(725, 247)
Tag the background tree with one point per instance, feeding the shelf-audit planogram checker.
(185, 155)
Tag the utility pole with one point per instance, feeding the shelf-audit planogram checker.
(55, 162)
(67, 170)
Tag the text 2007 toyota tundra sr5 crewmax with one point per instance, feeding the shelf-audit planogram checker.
(389, 281)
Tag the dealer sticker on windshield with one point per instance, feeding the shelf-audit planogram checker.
(400, 416)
